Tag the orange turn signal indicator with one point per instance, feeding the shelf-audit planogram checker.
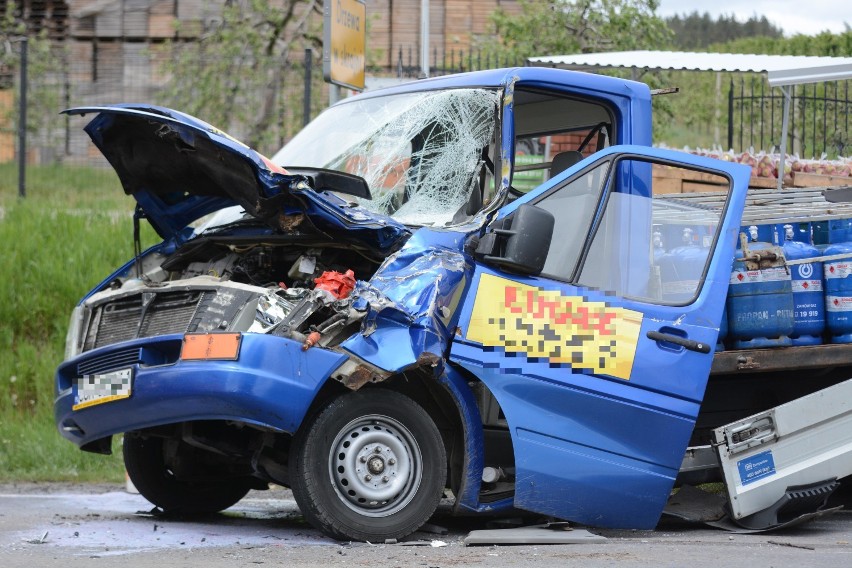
(210, 346)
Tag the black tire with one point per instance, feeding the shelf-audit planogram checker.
(370, 466)
(145, 461)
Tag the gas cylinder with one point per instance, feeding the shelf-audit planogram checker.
(808, 295)
(659, 249)
(681, 269)
(723, 332)
(760, 233)
(839, 231)
(838, 294)
(760, 298)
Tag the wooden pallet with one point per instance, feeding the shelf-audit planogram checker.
(769, 206)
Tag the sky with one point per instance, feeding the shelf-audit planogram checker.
(807, 17)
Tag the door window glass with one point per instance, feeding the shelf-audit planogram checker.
(654, 241)
(573, 207)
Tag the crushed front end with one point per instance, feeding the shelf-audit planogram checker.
(273, 294)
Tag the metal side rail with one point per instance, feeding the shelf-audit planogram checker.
(789, 205)
(784, 463)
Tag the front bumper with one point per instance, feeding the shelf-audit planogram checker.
(272, 385)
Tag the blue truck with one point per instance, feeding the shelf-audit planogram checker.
(377, 317)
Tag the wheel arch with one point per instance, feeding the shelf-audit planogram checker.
(442, 390)
(449, 401)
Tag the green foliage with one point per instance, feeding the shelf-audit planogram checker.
(825, 44)
(560, 27)
(564, 26)
(695, 31)
(241, 71)
(694, 116)
(69, 186)
(71, 231)
(694, 110)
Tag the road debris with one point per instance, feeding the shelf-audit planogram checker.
(552, 533)
(41, 540)
(790, 544)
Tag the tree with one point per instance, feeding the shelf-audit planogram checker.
(570, 26)
(561, 27)
(822, 44)
(235, 73)
(697, 31)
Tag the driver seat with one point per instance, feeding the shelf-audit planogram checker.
(564, 160)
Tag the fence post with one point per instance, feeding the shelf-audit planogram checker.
(731, 116)
(22, 124)
(306, 106)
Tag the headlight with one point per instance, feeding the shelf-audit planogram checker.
(72, 338)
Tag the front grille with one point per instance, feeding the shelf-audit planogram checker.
(146, 314)
(171, 313)
(115, 321)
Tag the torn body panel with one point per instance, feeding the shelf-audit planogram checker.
(411, 304)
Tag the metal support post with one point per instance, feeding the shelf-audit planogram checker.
(424, 38)
(306, 107)
(22, 124)
(785, 119)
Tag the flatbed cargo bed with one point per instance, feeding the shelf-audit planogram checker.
(781, 359)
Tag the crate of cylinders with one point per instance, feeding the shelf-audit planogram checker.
(777, 296)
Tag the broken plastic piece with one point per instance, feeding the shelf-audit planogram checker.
(538, 534)
(339, 285)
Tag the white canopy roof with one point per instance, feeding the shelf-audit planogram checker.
(781, 70)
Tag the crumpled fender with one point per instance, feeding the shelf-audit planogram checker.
(411, 303)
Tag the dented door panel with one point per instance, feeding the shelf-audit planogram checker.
(599, 412)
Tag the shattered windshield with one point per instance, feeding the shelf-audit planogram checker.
(426, 156)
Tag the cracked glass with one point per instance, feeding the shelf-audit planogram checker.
(426, 156)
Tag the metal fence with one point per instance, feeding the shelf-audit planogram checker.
(266, 105)
(447, 62)
(264, 108)
(819, 117)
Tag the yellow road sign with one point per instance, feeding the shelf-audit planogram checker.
(345, 42)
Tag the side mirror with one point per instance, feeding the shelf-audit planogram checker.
(519, 243)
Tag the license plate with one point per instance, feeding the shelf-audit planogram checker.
(90, 390)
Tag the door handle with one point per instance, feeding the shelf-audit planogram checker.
(689, 344)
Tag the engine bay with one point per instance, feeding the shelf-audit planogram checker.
(295, 286)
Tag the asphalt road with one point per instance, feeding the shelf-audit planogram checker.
(44, 526)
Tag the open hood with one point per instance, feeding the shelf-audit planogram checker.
(179, 168)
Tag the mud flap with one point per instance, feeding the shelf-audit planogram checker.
(798, 505)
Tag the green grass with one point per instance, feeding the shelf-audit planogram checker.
(71, 231)
(66, 187)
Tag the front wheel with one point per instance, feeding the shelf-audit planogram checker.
(147, 460)
(370, 466)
